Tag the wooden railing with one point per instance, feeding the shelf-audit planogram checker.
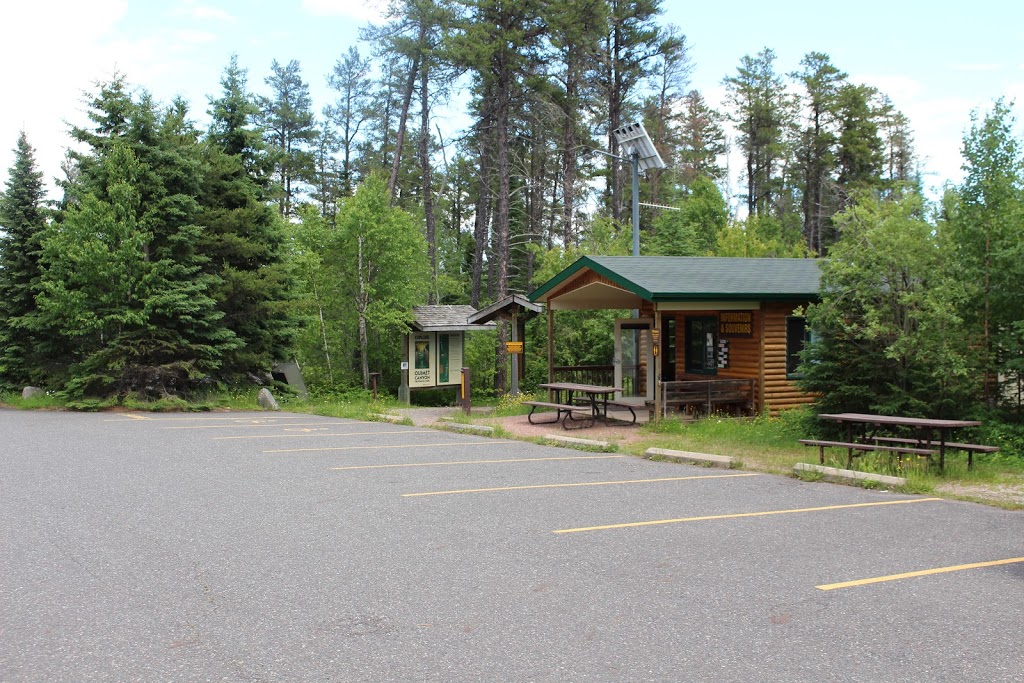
(709, 396)
(601, 375)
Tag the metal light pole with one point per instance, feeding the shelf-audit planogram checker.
(640, 151)
(642, 154)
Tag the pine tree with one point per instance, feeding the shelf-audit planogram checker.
(816, 149)
(22, 222)
(762, 111)
(242, 234)
(123, 283)
(702, 141)
(287, 119)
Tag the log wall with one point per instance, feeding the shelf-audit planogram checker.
(762, 356)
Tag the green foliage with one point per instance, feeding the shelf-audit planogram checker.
(890, 336)
(133, 307)
(359, 282)
(694, 229)
(22, 222)
(481, 357)
(984, 218)
(761, 237)
(243, 237)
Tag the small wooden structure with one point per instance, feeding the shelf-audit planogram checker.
(432, 353)
(699, 319)
(517, 310)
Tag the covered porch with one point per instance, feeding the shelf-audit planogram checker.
(700, 336)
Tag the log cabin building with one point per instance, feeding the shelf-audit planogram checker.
(695, 319)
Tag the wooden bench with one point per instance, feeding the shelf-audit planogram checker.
(707, 394)
(560, 408)
(851, 447)
(970, 448)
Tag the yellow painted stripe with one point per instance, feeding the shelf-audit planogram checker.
(264, 424)
(744, 514)
(204, 418)
(370, 448)
(294, 436)
(138, 417)
(474, 462)
(586, 483)
(923, 572)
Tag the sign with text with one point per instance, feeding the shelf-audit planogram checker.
(421, 356)
(736, 324)
(514, 347)
(435, 359)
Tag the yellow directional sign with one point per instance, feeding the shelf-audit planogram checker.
(514, 347)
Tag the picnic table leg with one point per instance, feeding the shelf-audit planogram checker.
(942, 450)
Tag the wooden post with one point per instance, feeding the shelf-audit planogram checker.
(551, 343)
(403, 388)
(656, 361)
(465, 392)
(515, 356)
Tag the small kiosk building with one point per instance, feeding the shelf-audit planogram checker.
(432, 353)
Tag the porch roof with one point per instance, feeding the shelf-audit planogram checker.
(680, 278)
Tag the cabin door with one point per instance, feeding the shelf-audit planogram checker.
(634, 363)
(701, 340)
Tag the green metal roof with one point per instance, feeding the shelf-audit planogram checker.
(684, 278)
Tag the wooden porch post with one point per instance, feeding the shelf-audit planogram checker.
(657, 365)
(551, 343)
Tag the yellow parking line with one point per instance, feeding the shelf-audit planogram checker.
(744, 514)
(294, 436)
(204, 418)
(923, 572)
(410, 445)
(474, 462)
(586, 483)
(265, 424)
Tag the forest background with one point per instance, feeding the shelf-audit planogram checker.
(181, 257)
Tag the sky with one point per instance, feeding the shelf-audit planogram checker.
(936, 64)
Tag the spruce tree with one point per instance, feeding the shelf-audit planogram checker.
(22, 220)
(123, 280)
(242, 234)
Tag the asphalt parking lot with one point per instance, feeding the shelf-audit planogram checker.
(281, 547)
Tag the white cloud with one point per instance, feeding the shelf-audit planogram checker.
(363, 10)
(63, 55)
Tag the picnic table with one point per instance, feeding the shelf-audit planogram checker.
(929, 436)
(584, 403)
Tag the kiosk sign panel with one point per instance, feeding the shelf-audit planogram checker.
(421, 374)
(436, 359)
(449, 358)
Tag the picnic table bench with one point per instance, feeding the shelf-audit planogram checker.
(560, 408)
(969, 448)
(590, 401)
(852, 449)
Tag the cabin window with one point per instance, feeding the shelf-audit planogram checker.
(797, 337)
